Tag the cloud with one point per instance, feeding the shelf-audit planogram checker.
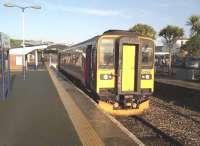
(91, 11)
(83, 10)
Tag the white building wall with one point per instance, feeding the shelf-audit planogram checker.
(178, 44)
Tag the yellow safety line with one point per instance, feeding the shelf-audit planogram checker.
(85, 131)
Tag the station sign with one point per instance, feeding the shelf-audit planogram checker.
(4, 42)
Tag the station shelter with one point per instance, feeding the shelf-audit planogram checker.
(33, 57)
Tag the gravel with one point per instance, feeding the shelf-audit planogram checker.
(180, 123)
(183, 124)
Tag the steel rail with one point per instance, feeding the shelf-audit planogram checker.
(164, 135)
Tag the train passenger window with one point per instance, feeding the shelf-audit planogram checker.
(106, 53)
(147, 55)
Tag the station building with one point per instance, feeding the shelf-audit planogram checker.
(16, 56)
(34, 56)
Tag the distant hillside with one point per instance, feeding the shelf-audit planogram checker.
(15, 43)
(18, 43)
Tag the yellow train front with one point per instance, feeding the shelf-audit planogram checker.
(119, 67)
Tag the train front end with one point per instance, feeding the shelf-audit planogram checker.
(125, 73)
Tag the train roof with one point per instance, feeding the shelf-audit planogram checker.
(108, 32)
(120, 32)
(125, 33)
(81, 43)
(89, 40)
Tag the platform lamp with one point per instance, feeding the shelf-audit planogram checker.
(23, 40)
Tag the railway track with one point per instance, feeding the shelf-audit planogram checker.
(167, 138)
(163, 125)
(149, 134)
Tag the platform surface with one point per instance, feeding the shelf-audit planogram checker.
(181, 83)
(33, 114)
(38, 113)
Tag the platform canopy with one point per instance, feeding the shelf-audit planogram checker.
(26, 50)
(47, 48)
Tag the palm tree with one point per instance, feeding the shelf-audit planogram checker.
(194, 23)
(171, 34)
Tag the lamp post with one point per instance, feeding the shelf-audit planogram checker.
(23, 39)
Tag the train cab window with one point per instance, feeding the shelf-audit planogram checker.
(106, 55)
(147, 55)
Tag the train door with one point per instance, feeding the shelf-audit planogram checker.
(88, 68)
(128, 70)
(128, 67)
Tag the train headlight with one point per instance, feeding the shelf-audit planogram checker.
(116, 105)
(134, 105)
(146, 77)
(105, 76)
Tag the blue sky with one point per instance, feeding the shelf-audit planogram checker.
(73, 21)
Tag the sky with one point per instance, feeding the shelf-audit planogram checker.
(72, 21)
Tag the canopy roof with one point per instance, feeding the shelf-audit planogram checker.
(48, 48)
(26, 50)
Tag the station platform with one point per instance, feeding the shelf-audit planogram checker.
(182, 93)
(47, 110)
(194, 85)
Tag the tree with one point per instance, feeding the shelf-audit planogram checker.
(194, 23)
(144, 30)
(15, 43)
(171, 34)
(192, 46)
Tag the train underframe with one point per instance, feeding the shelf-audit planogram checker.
(124, 105)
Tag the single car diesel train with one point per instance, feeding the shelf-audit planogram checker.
(118, 66)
